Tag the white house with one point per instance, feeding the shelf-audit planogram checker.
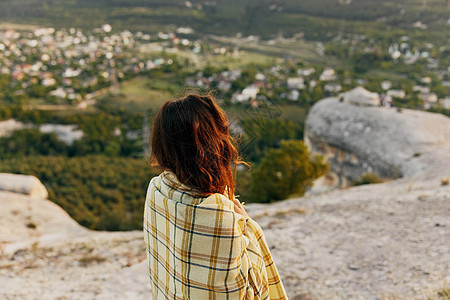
(185, 30)
(69, 72)
(333, 87)
(224, 85)
(48, 81)
(421, 89)
(305, 71)
(59, 92)
(296, 83)
(426, 80)
(328, 75)
(430, 97)
(260, 77)
(385, 85)
(445, 102)
(293, 95)
(396, 94)
(250, 92)
(247, 94)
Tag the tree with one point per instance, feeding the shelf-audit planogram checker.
(365, 61)
(285, 171)
(317, 94)
(31, 142)
(262, 134)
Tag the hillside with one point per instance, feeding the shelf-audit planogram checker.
(318, 20)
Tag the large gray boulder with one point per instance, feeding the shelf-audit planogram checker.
(392, 143)
(24, 184)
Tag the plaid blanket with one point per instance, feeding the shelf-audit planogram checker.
(199, 248)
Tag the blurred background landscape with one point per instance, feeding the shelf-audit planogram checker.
(80, 83)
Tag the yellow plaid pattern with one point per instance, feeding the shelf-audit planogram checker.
(199, 248)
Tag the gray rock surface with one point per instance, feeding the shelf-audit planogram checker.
(357, 140)
(380, 241)
(44, 254)
(24, 184)
(95, 265)
(25, 220)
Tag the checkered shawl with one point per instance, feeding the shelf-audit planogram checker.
(199, 248)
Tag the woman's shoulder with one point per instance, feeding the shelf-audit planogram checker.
(168, 186)
(218, 200)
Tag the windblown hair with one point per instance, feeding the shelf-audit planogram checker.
(191, 138)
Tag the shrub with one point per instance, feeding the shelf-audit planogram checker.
(90, 259)
(368, 178)
(285, 171)
(31, 225)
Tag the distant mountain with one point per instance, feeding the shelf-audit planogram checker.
(316, 19)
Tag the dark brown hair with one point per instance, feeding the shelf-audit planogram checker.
(191, 138)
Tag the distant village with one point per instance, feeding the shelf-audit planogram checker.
(73, 67)
(69, 66)
(307, 79)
